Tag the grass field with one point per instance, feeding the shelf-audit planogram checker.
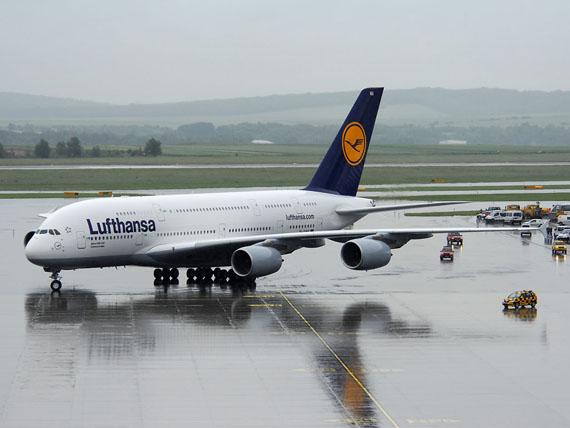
(137, 179)
(303, 154)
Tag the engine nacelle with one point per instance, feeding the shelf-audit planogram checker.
(365, 254)
(256, 260)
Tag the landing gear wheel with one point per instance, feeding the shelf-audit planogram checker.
(158, 274)
(55, 285)
(174, 273)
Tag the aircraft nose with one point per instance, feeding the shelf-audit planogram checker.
(34, 252)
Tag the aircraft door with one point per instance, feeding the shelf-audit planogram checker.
(158, 212)
(297, 205)
(222, 230)
(319, 224)
(139, 238)
(279, 226)
(81, 244)
(254, 206)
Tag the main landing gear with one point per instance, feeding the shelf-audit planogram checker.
(201, 276)
(166, 276)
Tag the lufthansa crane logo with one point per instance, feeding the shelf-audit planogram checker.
(354, 143)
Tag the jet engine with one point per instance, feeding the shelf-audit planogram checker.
(365, 254)
(256, 260)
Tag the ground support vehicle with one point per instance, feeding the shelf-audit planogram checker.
(495, 217)
(520, 299)
(484, 213)
(454, 238)
(559, 247)
(446, 253)
(558, 231)
(558, 210)
(532, 211)
(513, 217)
(531, 223)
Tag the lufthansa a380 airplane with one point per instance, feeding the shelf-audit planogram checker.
(249, 231)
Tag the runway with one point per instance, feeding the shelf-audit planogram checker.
(416, 343)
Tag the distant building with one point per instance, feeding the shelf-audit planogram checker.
(261, 142)
(453, 142)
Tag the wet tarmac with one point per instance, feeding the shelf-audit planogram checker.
(416, 343)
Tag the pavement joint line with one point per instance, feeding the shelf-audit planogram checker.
(342, 363)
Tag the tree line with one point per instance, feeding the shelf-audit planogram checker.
(206, 133)
(73, 149)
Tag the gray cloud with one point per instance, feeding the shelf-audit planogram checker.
(163, 51)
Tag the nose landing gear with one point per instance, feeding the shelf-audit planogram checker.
(56, 283)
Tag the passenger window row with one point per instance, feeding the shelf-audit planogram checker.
(278, 206)
(209, 209)
(186, 233)
(108, 237)
(250, 229)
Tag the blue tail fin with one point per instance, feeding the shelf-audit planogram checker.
(341, 168)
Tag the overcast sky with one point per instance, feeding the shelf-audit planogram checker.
(137, 51)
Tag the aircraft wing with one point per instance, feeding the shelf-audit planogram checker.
(222, 248)
(368, 210)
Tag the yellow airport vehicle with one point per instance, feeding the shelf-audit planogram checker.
(520, 299)
(513, 207)
(532, 211)
(559, 247)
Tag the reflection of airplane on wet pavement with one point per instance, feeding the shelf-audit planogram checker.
(111, 330)
(249, 231)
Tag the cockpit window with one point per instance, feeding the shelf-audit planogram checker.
(43, 231)
(57, 232)
(51, 232)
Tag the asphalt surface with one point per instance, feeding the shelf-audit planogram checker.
(416, 343)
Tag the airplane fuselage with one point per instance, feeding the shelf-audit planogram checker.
(119, 231)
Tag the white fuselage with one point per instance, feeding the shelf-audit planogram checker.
(118, 231)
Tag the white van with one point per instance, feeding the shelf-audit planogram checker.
(495, 217)
(513, 217)
(563, 220)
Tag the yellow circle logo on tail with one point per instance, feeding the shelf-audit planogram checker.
(354, 143)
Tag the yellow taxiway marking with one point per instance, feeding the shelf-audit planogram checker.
(342, 363)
